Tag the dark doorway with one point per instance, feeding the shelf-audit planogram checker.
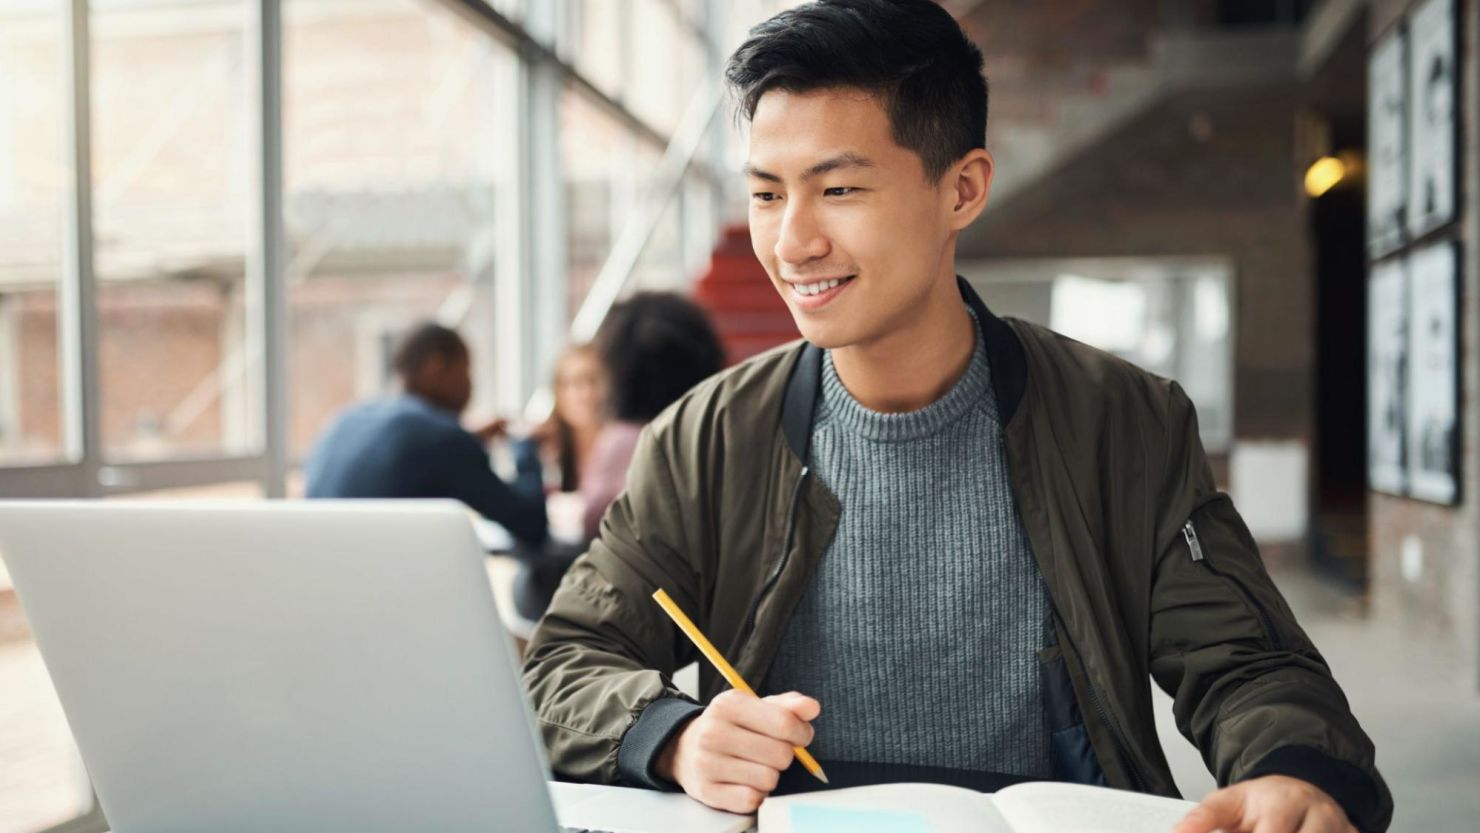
(1338, 221)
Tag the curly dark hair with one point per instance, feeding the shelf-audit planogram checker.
(423, 341)
(910, 53)
(656, 345)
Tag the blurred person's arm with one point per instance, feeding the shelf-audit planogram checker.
(463, 472)
(529, 470)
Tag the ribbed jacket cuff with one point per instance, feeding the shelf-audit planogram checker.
(643, 743)
(1347, 784)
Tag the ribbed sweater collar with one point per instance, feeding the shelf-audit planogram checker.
(838, 405)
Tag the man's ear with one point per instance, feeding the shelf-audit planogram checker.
(969, 184)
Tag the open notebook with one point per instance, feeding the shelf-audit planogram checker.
(931, 808)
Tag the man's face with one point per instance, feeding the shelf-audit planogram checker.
(459, 382)
(446, 380)
(834, 198)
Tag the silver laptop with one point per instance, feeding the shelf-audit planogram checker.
(314, 666)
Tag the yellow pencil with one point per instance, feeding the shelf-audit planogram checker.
(725, 669)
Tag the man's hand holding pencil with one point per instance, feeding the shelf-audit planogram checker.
(731, 756)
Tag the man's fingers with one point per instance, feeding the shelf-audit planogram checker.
(729, 740)
(1223, 810)
(1326, 819)
(1198, 820)
(804, 707)
(732, 798)
(766, 718)
(744, 773)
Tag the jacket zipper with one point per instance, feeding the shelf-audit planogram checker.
(1141, 784)
(1130, 759)
(791, 520)
(1189, 532)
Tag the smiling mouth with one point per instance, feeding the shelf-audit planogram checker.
(817, 288)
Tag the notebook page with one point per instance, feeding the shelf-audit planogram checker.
(1072, 808)
(906, 808)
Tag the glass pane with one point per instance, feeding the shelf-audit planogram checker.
(660, 267)
(172, 174)
(35, 174)
(596, 34)
(399, 136)
(605, 169)
(663, 80)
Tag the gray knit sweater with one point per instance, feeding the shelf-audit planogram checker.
(920, 629)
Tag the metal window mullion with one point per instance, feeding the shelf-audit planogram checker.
(267, 293)
(78, 311)
(546, 279)
(511, 270)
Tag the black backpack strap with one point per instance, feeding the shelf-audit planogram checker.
(1004, 354)
(798, 407)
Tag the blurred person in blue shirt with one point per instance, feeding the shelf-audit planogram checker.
(413, 445)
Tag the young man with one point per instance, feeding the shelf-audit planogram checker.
(934, 536)
(413, 446)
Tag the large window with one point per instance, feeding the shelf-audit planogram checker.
(426, 147)
(172, 194)
(605, 168)
(663, 80)
(35, 175)
(399, 126)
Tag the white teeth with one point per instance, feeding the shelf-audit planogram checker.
(816, 288)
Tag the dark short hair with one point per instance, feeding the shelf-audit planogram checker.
(656, 345)
(424, 341)
(910, 54)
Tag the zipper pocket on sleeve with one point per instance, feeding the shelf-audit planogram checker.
(1266, 621)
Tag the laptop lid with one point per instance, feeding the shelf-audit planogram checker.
(284, 666)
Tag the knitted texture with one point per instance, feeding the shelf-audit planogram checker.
(920, 628)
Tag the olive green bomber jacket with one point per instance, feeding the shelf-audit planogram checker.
(1150, 570)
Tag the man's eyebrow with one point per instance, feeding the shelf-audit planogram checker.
(752, 171)
(842, 160)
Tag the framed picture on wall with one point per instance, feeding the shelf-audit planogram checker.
(1433, 49)
(1433, 377)
(1387, 382)
(1387, 117)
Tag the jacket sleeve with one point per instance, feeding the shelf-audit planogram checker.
(599, 668)
(1250, 689)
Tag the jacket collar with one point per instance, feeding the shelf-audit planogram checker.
(1004, 354)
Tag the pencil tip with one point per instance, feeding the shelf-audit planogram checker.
(823, 777)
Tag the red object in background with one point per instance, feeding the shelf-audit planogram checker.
(736, 292)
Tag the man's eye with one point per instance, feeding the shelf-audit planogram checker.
(763, 196)
(841, 191)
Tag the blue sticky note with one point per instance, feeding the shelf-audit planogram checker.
(819, 818)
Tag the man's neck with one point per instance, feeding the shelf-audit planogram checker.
(915, 365)
(431, 400)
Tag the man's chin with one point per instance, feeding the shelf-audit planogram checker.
(828, 338)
